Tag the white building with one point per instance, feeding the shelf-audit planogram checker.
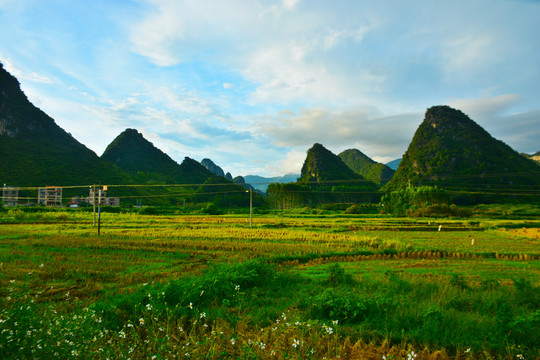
(10, 195)
(50, 195)
(105, 201)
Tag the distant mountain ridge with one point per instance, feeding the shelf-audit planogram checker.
(261, 183)
(394, 164)
(367, 167)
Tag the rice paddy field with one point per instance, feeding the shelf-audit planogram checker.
(292, 286)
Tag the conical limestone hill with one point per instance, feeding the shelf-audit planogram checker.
(37, 152)
(321, 166)
(367, 167)
(452, 151)
(131, 152)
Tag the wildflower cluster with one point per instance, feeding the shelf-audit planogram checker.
(51, 335)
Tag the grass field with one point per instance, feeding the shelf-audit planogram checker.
(292, 286)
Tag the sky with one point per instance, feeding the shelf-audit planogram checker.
(253, 84)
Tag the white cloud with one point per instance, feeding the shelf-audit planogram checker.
(20, 75)
(291, 57)
(361, 128)
(176, 31)
(498, 116)
(484, 108)
(185, 103)
(289, 4)
(291, 164)
(335, 36)
(8, 4)
(468, 54)
(521, 131)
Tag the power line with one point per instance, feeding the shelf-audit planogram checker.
(181, 195)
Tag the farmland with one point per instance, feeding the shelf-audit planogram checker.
(295, 285)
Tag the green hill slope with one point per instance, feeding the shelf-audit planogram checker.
(36, 151)
(365, 166)
(450, 150)
(131, 152)
(192, 172)
(535, 156)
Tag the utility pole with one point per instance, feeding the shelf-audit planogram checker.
(94, 202)
(99, 213)
(250, 205)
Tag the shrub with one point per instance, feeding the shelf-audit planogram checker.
(334, 305)
(337, 275)
(439, 210)
(347, 307)
(148, 210)
(353, 209)
(212, 209)
(218, 283)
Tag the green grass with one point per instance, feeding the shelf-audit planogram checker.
(290, 287)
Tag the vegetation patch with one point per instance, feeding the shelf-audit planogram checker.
(289, 287)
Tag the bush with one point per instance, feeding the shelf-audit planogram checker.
(333, 305)
(354, 209)
(220, 282)
(346, 307)
(212, 209)
(439, 210)
(337, 275)
(148, 210)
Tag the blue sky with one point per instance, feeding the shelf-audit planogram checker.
(253, 84)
